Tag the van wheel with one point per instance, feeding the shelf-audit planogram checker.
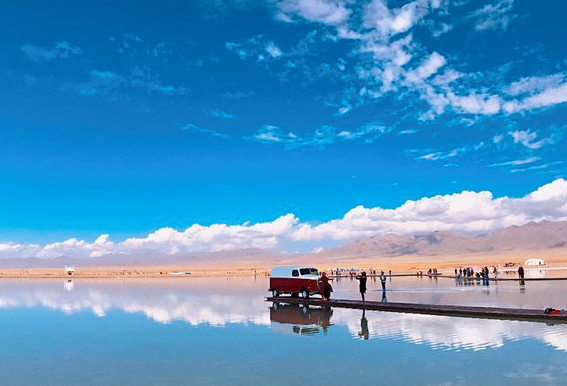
(304, 294)
(275, 293)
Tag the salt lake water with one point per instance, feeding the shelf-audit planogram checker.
(221, 331)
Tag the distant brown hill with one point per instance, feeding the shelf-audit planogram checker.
(531, 236)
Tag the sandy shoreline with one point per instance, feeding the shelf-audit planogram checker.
(399, 264)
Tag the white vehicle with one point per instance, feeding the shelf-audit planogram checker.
(534, 262)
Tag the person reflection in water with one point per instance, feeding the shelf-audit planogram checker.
(324, 319)
(364, 333)
(362, 285)
(384, 300)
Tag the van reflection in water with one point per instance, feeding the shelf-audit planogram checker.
(304, 319)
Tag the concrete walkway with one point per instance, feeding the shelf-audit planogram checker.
(536, 315)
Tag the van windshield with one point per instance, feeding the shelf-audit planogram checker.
(308, 271)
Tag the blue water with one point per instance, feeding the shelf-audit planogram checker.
(221, 331)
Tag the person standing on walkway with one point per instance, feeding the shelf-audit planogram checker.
(383, 280)
(486, 278)
(323, 282)
(521, 272)
(362, 285)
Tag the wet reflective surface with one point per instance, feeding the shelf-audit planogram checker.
(221, 331)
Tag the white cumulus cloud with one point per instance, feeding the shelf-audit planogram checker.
(332, 12)
(494, 17)
(40, 54)
(528, 139)
(467, 211)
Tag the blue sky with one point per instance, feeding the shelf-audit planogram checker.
(123, 119)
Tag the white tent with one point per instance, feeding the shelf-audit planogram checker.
(531, 262)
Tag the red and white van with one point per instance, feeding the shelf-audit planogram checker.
(297, 281)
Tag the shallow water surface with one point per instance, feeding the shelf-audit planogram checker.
(221, 331)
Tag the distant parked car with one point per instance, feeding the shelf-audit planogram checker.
(297, 281)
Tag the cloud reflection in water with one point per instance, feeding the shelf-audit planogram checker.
(218, 302)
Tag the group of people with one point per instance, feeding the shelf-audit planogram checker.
(461, 272)
(353, 272)
(362, 278)
(469, 273)
(464, 272)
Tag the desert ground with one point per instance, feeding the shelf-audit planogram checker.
(400, 264)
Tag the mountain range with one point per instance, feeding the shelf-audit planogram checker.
(529, 237)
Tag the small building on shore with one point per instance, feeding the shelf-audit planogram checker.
(534, 262)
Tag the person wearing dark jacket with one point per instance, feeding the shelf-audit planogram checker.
(362, 285)
(383, 280)
(323, 282)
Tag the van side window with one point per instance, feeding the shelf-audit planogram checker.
(304, 271)
(295, 273)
